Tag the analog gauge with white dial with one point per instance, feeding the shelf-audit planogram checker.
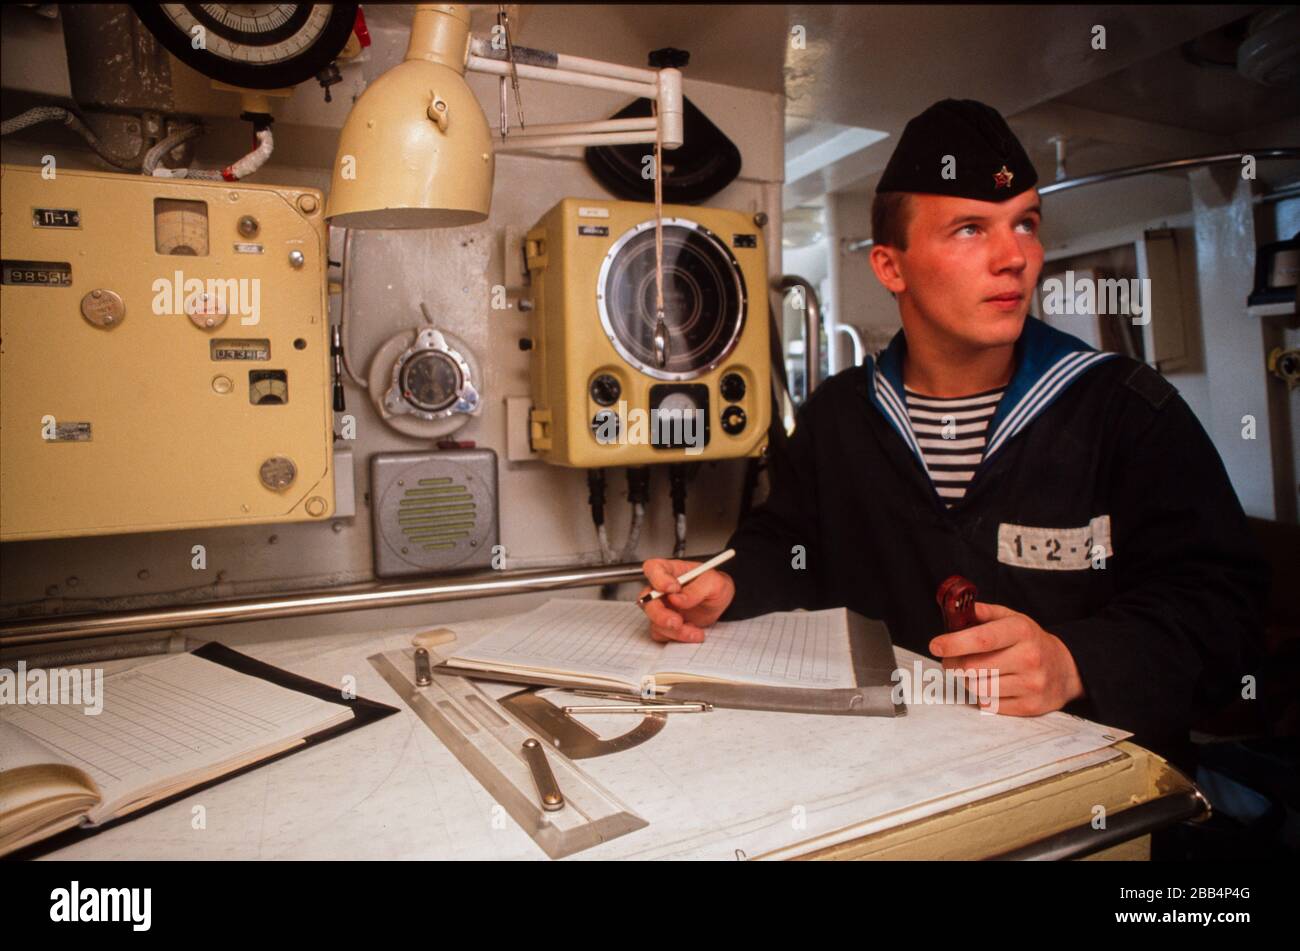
(254, 45)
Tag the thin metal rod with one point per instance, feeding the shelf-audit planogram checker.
(566, 77)
(324, 601)
(812, 325)
(641, 124)
(1168, 166)
(545, 59)
(516, 142)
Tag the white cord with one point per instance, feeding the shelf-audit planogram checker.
(343, 311)
(634, 532)
(659, 214)
(606, 552)
(239, 169)
(165, 145)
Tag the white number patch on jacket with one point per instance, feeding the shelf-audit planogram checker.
(1055, 549)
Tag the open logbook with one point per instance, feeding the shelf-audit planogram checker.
(831, 661)
(165, 727)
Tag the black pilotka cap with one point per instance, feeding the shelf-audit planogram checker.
(988, 162)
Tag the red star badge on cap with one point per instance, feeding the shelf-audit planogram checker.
(1002, 179)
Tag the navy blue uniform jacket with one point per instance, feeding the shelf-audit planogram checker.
(1087, 450)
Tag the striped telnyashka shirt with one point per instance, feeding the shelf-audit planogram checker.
(964, 420)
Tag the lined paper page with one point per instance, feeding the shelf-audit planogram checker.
(612, 639)
(172, 718)
(604, 638)
(18, 748)
(785, 649)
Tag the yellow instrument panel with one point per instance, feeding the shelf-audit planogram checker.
(615, 380)
(164, 354)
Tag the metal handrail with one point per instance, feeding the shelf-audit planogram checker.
(812, 327)
(490, 584)
(855, 338)
(1167, 166)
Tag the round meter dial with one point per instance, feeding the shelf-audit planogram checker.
(431, 380)
(254, 45)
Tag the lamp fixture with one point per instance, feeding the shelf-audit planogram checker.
(416, 150)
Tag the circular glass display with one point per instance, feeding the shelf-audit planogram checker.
(431, 381)
(255, 45)
(704, 300)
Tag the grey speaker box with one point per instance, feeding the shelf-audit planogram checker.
(433, 511)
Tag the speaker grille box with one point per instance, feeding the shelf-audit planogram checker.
(433, 511)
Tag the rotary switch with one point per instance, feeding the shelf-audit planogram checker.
(605, 390)
(733, 420)
(732, 387)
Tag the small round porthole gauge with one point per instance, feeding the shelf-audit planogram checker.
(431, 380)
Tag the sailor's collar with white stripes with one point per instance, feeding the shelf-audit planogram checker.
(1047, 361)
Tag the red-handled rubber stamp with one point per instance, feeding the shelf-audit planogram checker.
(956, 597)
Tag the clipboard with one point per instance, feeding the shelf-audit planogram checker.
(871, 652)
(363, 712)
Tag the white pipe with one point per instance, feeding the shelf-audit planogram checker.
(643, 124)
(580, 64)
(554, 141)
(670, 107)
(500, 68)
(481, 47)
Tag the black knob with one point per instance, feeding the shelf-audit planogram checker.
(525, 343)
(733, 387)
(733, 420)
(605, 390)
(604, 426)
(669, 56)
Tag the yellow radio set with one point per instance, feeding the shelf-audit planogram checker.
(618, 381)
(165, 355)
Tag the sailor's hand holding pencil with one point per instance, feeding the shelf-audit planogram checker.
(685, 597)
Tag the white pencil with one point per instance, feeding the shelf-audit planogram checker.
(690, 575)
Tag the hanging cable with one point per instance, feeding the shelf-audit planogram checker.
(661, 324)
(677, 491)
(638, 493)
(165, 145)
(596, 499)
(510, 55)
(239, 169)
(70, 119)
(503, 25)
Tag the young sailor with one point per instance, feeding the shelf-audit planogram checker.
(1117, 576)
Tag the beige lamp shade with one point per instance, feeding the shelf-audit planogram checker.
(416, 151)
